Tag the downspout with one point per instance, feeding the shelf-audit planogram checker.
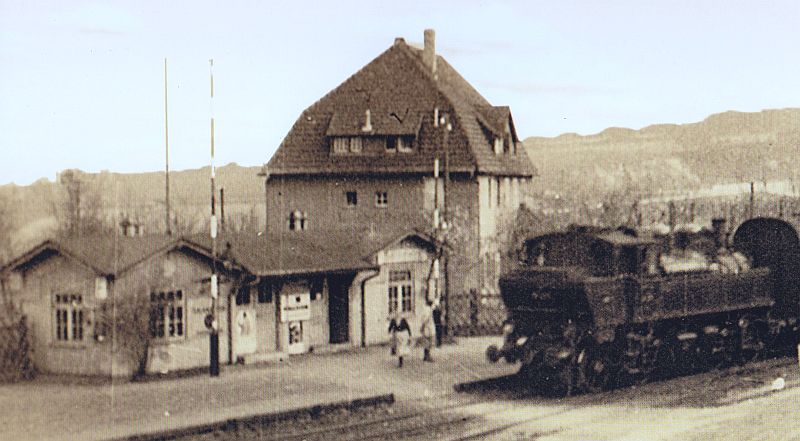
(364, 307)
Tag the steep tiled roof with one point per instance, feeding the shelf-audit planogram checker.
(400, 92)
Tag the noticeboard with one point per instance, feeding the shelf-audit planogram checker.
(295, 307)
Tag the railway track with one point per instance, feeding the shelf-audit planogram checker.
(456, 422)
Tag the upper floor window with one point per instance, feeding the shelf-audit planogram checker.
(297, 221)
(69, 317)
(167, 314)
(403, 144)
(344, 145)
(352, 198)
(381, 199)
(498, 146)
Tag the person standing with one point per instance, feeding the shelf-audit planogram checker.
(393, 324)
(437, 324)
(427, 331)
(402, 335)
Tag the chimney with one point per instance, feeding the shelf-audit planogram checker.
(367, 122)
(429, 50)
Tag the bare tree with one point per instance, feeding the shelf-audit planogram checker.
(79, 208)
(125, 318)
(15, 361)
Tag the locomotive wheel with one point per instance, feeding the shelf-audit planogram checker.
(597, 368)
(752, 336)
(560, 382)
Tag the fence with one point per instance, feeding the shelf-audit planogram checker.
(476, 314)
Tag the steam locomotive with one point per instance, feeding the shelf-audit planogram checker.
(591, 308)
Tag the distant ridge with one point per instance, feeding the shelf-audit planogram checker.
(723, 148)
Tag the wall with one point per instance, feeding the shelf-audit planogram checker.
(403, 256)
(59, 275)
(167, 272)
(325, 203)
(172, 271)
(316, 331)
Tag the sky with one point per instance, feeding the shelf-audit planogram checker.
(82, 82)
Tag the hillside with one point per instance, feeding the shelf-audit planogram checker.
(139, 196)
(665, 158)
(574, 171)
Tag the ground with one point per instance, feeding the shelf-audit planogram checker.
(736, 403)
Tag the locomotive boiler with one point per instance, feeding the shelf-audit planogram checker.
(592, 308)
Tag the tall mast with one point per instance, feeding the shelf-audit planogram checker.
(166, 150)
(213, 367)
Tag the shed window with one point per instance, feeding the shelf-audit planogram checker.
(243, 296)
(401, 296)
(264, 292)
(69, 317)
(167, 319)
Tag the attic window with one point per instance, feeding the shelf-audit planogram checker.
(498, 146)
(402, 144)
(343, 145)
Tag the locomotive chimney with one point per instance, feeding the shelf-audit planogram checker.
(718, 226)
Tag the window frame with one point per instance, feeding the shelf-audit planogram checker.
(381, 199)
(400, 291)
(351, 198)
(67, 309)
(298, 221)
(405, 144)
(171, 313)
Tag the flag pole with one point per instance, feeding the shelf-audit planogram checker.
(213, 366)
(166, 150)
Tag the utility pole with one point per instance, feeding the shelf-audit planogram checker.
(213, 343)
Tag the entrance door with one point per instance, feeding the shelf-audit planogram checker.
(339, 308)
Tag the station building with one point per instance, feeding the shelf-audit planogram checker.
(363, 160)
(276, 297)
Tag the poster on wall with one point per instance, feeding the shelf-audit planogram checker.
(245, 332)
(295, 307)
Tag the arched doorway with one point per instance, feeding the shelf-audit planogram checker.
(774, 243)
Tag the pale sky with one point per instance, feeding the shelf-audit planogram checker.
(81, 84)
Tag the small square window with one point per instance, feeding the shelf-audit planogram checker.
(243, 296)
(381, 199)
(405, 144)
(391, 143)
(298, 220)
(355, 145)
(264, 292)
(340, 145)
(352, 198)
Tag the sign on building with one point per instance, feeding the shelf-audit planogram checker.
(295, 307)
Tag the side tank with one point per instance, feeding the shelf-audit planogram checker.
(592, 308)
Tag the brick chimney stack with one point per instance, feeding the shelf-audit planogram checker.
(429, 50)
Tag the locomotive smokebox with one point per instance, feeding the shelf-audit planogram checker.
(719, 225)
